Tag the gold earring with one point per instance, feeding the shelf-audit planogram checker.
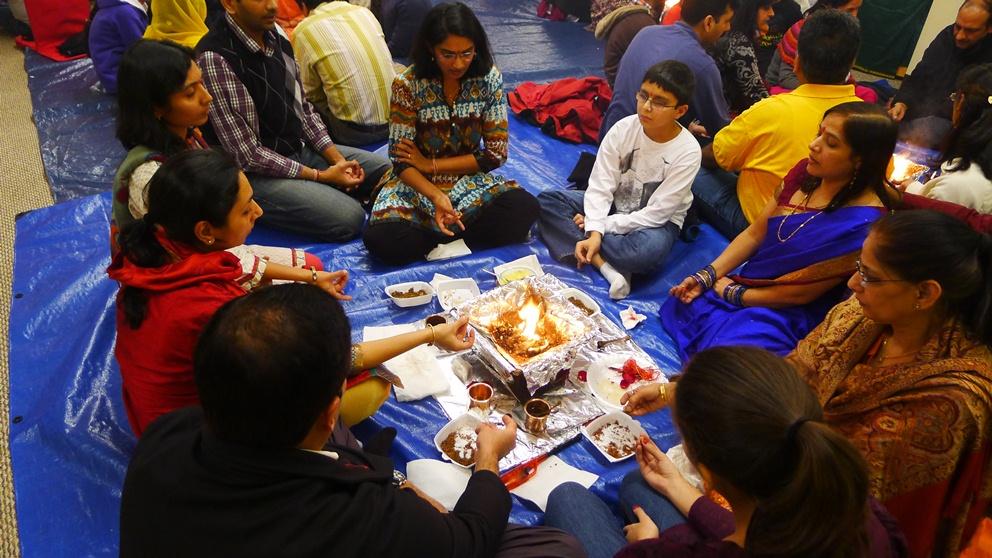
(210, 241)
(916, 306)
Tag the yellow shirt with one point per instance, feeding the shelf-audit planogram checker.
(344, 63)
(768, 139)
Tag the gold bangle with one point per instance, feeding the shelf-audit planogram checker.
(434, 165)
(663, 393)
(433, 335)
(313, 273)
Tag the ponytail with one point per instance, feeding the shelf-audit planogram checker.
(139, 245)
(192, 186)
(820, 509)
(748, 417)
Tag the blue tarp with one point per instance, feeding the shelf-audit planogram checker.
(69, 437)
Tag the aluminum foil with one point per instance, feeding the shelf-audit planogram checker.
(574, 405)
(543, 369)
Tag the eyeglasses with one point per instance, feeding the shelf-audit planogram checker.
(865, 280)
(652, 103)
(452, 56)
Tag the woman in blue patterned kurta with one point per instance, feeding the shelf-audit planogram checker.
(447, 132)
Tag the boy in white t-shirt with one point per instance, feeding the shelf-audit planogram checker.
(639, 191)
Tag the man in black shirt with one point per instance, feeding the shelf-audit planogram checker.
(922, 103)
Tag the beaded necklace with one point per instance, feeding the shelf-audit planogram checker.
(778, 233)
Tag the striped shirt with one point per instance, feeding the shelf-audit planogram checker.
(234, 116)
(345, 64)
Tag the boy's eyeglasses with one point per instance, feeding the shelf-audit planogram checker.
(452, 56)
(652, 103)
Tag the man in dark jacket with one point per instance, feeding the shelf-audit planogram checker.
(253, 473)
(923, 103)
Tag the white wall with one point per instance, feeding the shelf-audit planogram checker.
(942, 13)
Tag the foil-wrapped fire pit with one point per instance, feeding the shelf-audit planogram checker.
(529, 333)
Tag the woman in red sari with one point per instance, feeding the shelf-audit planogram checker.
(904, 370)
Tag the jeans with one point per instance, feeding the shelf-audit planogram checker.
(577, 511)
(313, 209)
(637, 252)
(714, 194)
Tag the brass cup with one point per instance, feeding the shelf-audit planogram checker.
(536, 413)
(480, 396)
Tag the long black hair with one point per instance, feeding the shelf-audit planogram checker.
(920, 245)
(748, 417)
(971, 140)
(871, 133)
(149, 73)
(746, 17)
(192, 186)
(440, 22)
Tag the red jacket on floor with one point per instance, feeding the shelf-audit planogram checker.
(571, 109)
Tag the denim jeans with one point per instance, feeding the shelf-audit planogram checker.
(637, 252)
(313, 209)
(714, 194)
(577, 511)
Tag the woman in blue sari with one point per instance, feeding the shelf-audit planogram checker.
(798, 257)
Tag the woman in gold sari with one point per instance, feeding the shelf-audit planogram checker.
(903, 368)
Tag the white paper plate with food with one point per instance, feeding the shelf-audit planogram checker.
(455, 292)
(457, 440)
(518, 269)
(613, 375)
(615, 435)
(413, 293)
(582, 300)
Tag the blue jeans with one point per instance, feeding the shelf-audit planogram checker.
(641, 251)
(714, 194)
(577, 511)
(316, 210)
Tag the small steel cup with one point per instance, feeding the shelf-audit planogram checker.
(536, 412)
(435, 320)
(480, 396)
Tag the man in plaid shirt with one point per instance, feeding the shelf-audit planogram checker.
(303, 181)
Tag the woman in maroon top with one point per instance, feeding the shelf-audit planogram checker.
(755, 432)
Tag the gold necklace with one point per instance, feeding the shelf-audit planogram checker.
(881, 357)
(778, 233)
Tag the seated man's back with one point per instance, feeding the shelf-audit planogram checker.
(768, 139)
(265, 467)
(188, 493)
(346, 68)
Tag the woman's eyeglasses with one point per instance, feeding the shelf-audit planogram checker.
(866, 280)
(452, 56)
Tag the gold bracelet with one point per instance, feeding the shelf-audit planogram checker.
(434, 165)
(663, 393)
(313, 273)
(433, 335)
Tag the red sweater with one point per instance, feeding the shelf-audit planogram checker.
(156, 359)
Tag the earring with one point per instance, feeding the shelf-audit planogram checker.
(210, 241)
(916, 306)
